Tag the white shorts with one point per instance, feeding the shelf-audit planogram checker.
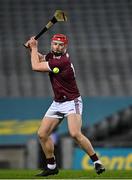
(62, 109)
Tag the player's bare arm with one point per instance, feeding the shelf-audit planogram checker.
(41, 57)
(37, 61)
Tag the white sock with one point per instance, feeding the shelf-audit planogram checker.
(51, 166)
(98, 161)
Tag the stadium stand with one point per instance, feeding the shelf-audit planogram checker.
(115, 130)
(100, 45)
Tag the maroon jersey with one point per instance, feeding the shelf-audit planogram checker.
(63, 83)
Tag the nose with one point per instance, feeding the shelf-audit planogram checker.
(57, 45)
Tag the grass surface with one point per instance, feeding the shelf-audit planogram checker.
(66, 174)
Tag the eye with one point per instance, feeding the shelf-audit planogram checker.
(62, 45)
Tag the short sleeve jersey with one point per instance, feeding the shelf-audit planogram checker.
(63, 83)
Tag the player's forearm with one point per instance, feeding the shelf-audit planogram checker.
(34, 58)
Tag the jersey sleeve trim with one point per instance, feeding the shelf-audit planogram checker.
(49, 66)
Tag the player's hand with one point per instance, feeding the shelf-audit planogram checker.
(32, 43)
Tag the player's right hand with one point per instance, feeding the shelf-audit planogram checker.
(32, 43)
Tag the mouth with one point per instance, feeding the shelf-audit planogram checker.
(57, 51)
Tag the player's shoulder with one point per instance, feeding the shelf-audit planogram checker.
(66, 57)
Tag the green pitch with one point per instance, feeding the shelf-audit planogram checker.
(66, 174)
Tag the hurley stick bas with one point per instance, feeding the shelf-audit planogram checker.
(59, 16)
